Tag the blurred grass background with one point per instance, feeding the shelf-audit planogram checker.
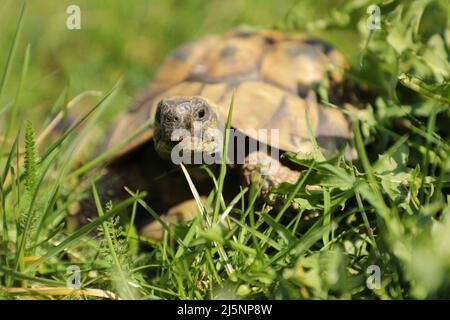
(117, 38)
(391, 209)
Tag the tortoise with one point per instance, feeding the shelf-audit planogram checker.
(272, 76)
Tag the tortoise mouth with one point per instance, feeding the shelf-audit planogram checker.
(188, 151)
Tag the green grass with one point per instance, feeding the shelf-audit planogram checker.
(389, 208)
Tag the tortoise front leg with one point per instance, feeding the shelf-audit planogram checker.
(262, 169)
(252, 172)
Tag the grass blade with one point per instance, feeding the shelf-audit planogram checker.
(223, 165)
(73, 238)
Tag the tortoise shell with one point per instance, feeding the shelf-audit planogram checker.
(271, 75)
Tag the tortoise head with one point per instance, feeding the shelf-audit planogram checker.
(186, 124)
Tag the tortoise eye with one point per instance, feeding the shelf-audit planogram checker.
(201, 114)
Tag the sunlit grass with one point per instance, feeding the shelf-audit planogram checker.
(389, 208)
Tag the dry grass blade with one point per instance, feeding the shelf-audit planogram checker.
(196, 195)
(63, 291)
(222, 253)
